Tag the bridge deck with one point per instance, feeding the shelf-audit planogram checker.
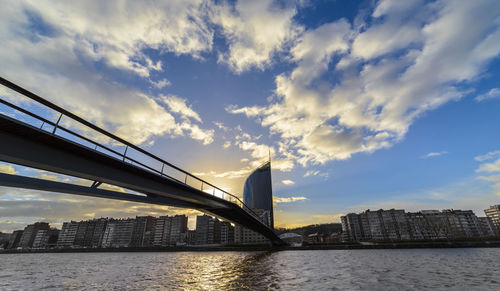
(29, 146)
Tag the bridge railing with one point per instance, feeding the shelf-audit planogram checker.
(155, 165)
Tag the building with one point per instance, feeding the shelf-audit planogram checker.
(243, 235)
(207, 230)
(258, 196)
(46, 238)
(67, 234)
(15, 239)
(191, 237)
(494, 213)
(258, 192)
(118, 233)
(141, 235)
(178, 229)
(4, 240)
(487, 227)
(293, 239)
(226, 233)
(30, 232)
(161, 231)
(376, 225)
(98, 233)
(426, 224)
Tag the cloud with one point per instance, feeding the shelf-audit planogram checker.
(255, 31)
(117, 32)
(59, 64)
(283, 165)
(221, 126)
(178, 105)
(161, 83)
(288, 199)
(492, 94)
(391, 69)
(233, 174)
(434, 154)
(489, 167)
(316, 173)
(288, 182)
(226, 144)
(7, 169)
(487, 156)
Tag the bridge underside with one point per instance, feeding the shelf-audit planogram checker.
(26, 145)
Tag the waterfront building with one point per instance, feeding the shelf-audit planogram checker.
(118, 233)
(207, 230)
(161, 233)
(351, 227)
(67, 234)
(376, 225)
(426, 224)
(243, 235)
(15, 239)
(494, 213)
(258, 192)
(226, 233)
(4, 240)
(177, 228)
(258, 196)
(46, 238)
(141, 235)
(80, 233)
(293, 239)
(191, 237)
(487, 227)
(29, 233)
(41, 239)
(98, 233)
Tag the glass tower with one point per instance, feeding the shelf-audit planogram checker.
(258, 193)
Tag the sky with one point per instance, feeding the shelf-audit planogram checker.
(361, 104)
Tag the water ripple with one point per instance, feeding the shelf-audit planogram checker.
(423, 269)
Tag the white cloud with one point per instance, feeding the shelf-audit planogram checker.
(227, 144)
(233, 174)
(283, 165)
(311, 173)
(390, 70)
(487, 156)
(255, 31)
(221, 126)
(434, 154)
(178, 105)
(490, 170)
(59, 64)
(288, 199)
(288, 182)
(161, 83)
(490, 167)
(117, 32)
(492, 94)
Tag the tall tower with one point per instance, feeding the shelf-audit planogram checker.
(258, 193)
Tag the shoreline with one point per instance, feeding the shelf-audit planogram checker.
(253, 248)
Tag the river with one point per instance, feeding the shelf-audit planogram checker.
(412, 269)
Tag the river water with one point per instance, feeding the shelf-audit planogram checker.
(416, 269)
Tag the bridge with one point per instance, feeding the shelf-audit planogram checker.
(69, 150)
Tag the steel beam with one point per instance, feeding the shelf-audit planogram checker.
(17, 181)
(29, 146)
